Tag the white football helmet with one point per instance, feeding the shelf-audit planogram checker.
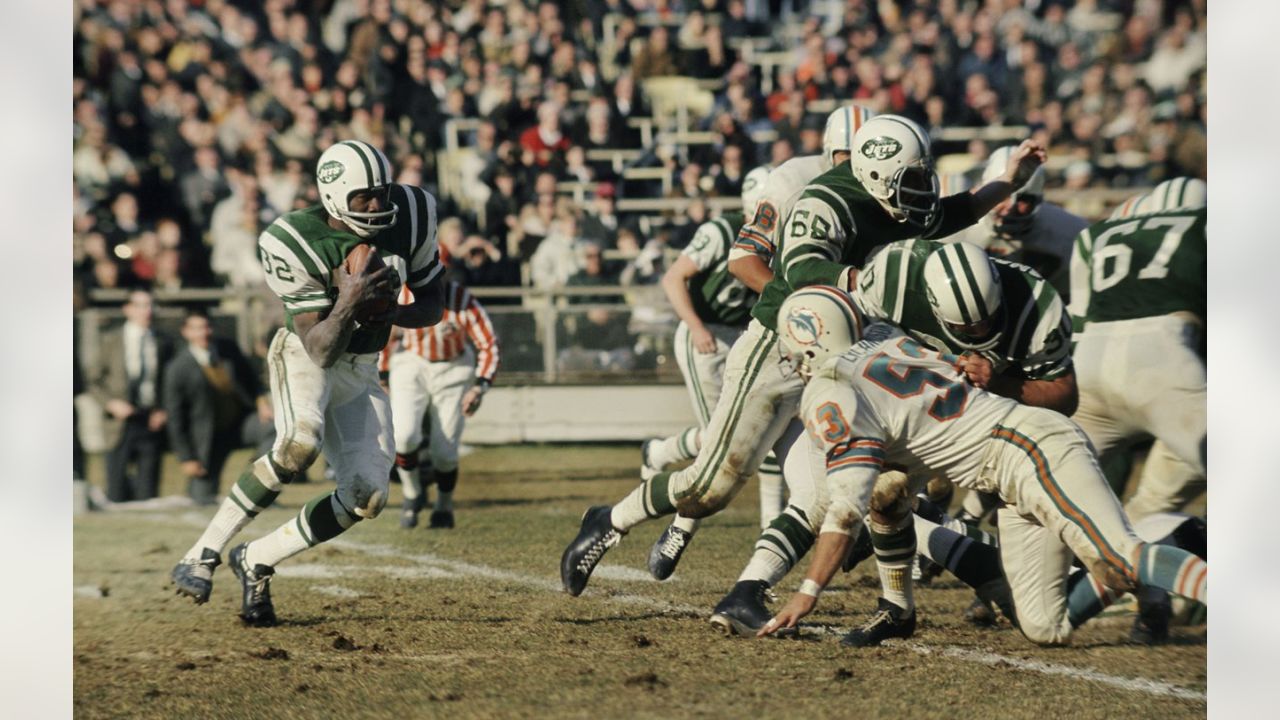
(1180, 193)
(964, 293)
(349, 167)
(753, 188)
(842, 125)
(892, 160)
(1016, 222)
(815, 324)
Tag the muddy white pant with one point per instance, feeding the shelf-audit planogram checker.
(1140, 379)
(342, 408)
(1058, 504)
(420, 387)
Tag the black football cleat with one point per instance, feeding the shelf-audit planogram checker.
(742, 611)
(860, 550)
(256, 609)
(1151, 626)
(998, 593)
(583, 554)
(889, 621)
(441, 520)
(665, 553)
(980, 613)
(194, 577)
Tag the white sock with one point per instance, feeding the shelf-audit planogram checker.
(256, 489)
(771, 496)
(689, 525)
(895, 584)
(630, 511)
(409, 485)
(677, 448)
(767, 566)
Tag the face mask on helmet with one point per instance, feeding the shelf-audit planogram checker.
(354, 182)
(916, 197)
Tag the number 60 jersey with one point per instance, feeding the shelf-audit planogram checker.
(889, 399)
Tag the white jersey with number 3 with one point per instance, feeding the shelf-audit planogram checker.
(889, 399)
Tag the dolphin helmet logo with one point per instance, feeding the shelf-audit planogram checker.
(804, 326)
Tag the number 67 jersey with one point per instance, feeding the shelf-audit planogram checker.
(889, 399)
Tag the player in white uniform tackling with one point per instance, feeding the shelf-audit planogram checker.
(440, 373)
(323, 366)
(882, 398)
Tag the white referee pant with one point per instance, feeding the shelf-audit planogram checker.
(419, 386)
(1145, 378)
(342, 408)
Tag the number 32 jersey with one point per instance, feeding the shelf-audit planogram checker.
(888, 399)
(301, 255)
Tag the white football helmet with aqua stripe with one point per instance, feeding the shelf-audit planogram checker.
(964, 293)
(350, 167)
(842, 125)
(815, 324)
(753, 188)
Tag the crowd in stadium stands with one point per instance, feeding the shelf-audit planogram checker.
(197, 122)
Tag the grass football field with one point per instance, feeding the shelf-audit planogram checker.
(471, 623)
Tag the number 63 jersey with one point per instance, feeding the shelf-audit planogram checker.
(889, 399)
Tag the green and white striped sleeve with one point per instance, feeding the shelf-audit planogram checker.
(294, 272)
(424, 256)
(816, 232)
(882, 283)
(709, 244)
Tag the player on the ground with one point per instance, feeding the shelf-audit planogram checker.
(441, 373)
(882, 398)
(1007, 324)
(323, 365)
(1026, 228)
(714, 308)
(888, 192)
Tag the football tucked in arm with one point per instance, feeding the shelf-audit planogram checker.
(371, 308)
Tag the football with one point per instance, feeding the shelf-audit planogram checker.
(353, 261)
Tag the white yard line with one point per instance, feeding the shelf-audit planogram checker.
(434, 566)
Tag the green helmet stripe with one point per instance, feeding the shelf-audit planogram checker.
(954, 282)
(368, 167)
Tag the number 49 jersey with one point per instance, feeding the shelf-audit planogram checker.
(1137, 267)
(301, 255)
(888, 399)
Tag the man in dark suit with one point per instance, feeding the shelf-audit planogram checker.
(126, 382)
(212, 396)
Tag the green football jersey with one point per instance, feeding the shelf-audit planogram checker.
(301, 253)
(835, 225)
(1033, 340)
(718, 297)
(1141, 266)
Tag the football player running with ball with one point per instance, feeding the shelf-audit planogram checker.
(323, 365)
(883, 398)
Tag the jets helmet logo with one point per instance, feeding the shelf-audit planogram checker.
(880, 148)
(329, 171)
(805, 326)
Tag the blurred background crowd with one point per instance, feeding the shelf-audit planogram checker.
(549, 128)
